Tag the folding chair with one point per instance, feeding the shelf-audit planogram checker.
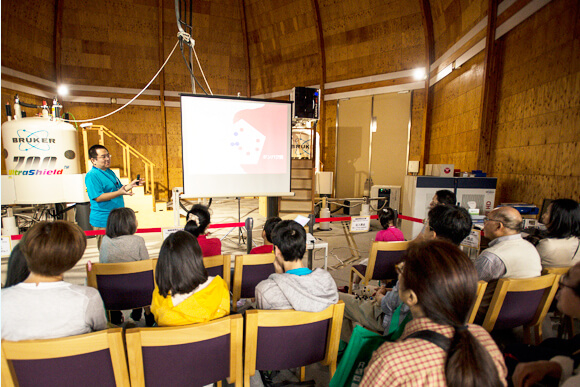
(92, 359)
(190, 355)
(521, 302)
(382, 260)
(283, 339)
(249, 271)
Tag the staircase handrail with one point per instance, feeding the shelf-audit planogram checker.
(128, 150)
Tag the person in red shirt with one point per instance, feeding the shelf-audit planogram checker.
(267, 247)
(389, 233)
(198, 219)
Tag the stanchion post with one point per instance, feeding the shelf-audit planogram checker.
(249, 228)
(311, 222)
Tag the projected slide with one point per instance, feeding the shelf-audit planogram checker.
(234, 146)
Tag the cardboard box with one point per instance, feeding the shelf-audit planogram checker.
(443, 170)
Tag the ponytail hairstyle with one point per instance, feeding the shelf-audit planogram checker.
(386, 217)
(197, 220)
(445, 282)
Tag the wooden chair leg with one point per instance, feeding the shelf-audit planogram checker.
(351, 279)
(302, 374)
(332, 368)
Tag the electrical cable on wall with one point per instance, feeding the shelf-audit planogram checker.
(135, 97)
(183, 37)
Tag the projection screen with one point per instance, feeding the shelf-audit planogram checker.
(233, 147)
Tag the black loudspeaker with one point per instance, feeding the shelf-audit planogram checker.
(305, 102)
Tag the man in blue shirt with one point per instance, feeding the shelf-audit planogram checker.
(104, 188)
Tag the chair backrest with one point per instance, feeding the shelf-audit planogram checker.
(249, 271)
(481, 286)
(383, 258)
(126, 285)
(190, 355)
(93, 359)
(219, 265)
(282, 339)
(556, 270)
(518, 302)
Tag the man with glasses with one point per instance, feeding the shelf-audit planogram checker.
(508, 254)
(104, 188)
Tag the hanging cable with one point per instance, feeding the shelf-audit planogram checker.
(211, 92)
(181, 9)
(191, 70)
(135, 97)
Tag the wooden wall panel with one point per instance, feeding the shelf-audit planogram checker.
(101, 40)
(537, 148)
(282, 45)
(417, 112)
(455, 116)
(454, 18)
(28, 37)
(371, 37)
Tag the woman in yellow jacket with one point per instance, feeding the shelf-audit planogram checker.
(184, 294)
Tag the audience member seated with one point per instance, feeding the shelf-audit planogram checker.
(389, 233)
(198, 219)
(438, 282)
(44, 306)
(451, 223)
(562, 239)
(17, 268)
(560, 367)
(294, 286)
(120, 244)
(508, 254)
(267, 247)
(184, 293)
(443, 197)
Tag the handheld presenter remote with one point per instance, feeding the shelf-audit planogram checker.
(138, 179)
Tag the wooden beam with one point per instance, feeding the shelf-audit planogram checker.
(429, 57)
(490, 79)
(161, 56)
(246, 48)
(322, 54)
(58, 40)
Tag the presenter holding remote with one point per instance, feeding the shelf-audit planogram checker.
(104, 188)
